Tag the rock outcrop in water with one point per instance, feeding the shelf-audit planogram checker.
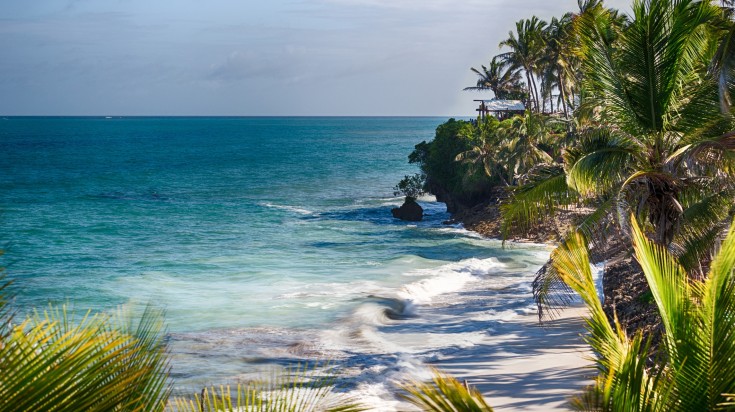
(409, 210)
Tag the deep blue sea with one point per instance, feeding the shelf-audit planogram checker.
(266, 240)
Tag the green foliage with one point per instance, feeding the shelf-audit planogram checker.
(507, 150)
(698, 316)
(436, 160)
(300, 390)
(411, 186)
(650, 137)
(445, 394)
(504, 82)
(545, 189)
(51, 362)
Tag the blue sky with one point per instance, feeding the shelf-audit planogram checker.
(274, 57)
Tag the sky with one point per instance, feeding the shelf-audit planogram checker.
(252, 58)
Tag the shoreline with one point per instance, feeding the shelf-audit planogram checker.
(528, 366)
(525, 365)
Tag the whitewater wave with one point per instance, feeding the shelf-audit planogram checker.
(294, 209)
(448, 278)
(389, 334)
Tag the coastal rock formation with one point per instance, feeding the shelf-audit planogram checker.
(462, 202)
(410, 211)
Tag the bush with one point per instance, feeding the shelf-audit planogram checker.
(443, 173)
(411, 186)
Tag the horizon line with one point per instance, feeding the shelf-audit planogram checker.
(214, 115)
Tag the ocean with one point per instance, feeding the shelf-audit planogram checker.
(268, 241)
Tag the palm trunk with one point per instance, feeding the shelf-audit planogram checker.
(551, 102)
(562, 94)
(535, 88)
(530, 92)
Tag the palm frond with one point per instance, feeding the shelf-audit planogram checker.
(718, 312)
(545, 190)
(445, 394)
(698, 317)
(703, 221)
(723, 65)
(643, 82)
(300, 389)
(623, 383)
(706, 154)
(52, 363)
(601, 162)
(550, 292)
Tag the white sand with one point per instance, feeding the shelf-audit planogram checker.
(525, 366)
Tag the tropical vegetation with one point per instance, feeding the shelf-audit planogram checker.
(300, 389)
(52, 362)
(628, 118)
(445, 394)
(627, 115)
(696, 371)
(628, 124)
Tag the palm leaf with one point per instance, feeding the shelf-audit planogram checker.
(723, 64)
(550, 292)
(703, 221)
(445, 394)
(699, 318)
(623, 383)
(718, 326)
(601, 162)
(545, 190)
(51, 363)
(300, 389)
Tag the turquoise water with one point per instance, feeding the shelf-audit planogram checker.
(255, 234)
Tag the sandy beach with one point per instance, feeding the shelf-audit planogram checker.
(525, 366)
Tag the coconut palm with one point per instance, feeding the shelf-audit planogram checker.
(652, 89)
(723, 64)
(658, 116)
(508, 149)
(558, 60)
(499, 78)
(658, 145)
(697, 370)
(488, 149)
(526, 46)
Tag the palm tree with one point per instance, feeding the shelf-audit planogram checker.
(657, 146)
(526, 46)
(509, 149)
(498, 78)
(488, 150)
(660, 145)
(558, 60)
(697, 370)
(723, 64)
(652, 89)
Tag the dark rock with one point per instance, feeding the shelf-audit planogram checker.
(410, 211)
(460, 202)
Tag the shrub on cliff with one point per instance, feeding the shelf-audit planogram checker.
(446, 178)
(412, 187)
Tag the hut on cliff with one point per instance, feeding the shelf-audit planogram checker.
(502, 109)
